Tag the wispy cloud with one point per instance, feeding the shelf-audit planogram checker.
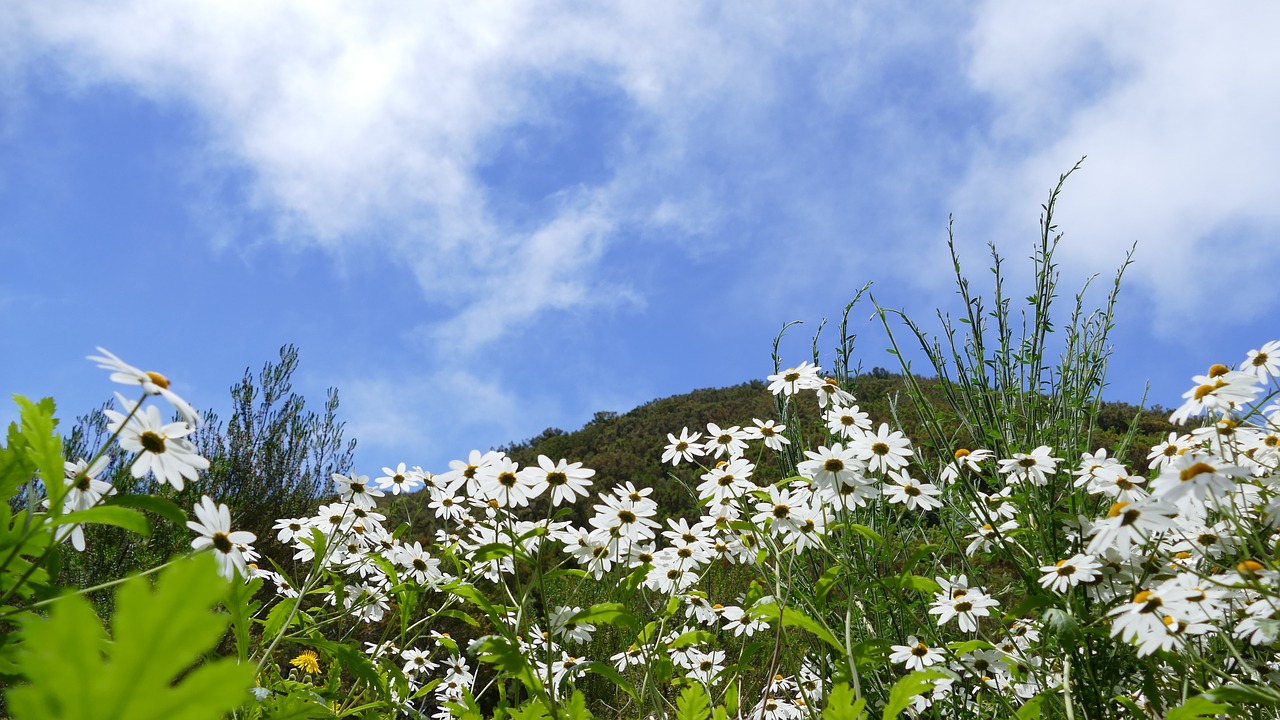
(363, 127)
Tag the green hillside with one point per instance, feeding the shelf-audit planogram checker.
(628, 446)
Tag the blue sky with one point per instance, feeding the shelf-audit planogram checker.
(478, 220)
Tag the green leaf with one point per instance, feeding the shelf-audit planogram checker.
(693, 703)
(672, 606)
(506, 657)
(1031, 709)
(867, 533)
(693, 637)
(492, 551)
(564, 572)
(1196, 707)
(276, 618)
(294, 707)
(790, 617)
(44, 447)
(968, 646)
(530, 710)
(917, 555)
(577, 707)
(608, 672)
(158, 505)
(352, 660)
(731, 700)
(917, 683)
(475, 597)
(824, 584)
(919, 583)
(123, 517)
(458, 615)
(240, 603)
(842, 705)
(607, 614)
(16, 466)
(160, 636)
(1241, 694)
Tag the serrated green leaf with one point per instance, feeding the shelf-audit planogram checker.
(294, 707)
(16, 466)
(731, 700)
(277, 616)
(530, 710)
(843, 705)
(917, 683)
(506, 657)
(122, 517)
(159, 636)
(352, 660)
(44, 447)
(693, 703)
(158, 505)
(577, 707)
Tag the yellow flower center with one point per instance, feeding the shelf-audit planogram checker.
(1195, 470)
(1249, 566)
(152, 442)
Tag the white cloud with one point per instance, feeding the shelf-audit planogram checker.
(1176, 106)
(362, 125)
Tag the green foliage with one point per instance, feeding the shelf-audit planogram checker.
(150, 666)
(273, 459)
(1196, 707)
(917, 683)
(843, 704)
(693, 703)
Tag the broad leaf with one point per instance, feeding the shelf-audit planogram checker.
(1196, 707)
(123, 517)
(842, 705)
(44, 447)
(917, 683)
(160, 635)
(693, 703)
(158, 505)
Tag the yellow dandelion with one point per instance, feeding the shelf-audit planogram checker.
(307, 662)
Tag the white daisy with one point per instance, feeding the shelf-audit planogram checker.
(215, 531)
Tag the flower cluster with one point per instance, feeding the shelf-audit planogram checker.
(1159, 563)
